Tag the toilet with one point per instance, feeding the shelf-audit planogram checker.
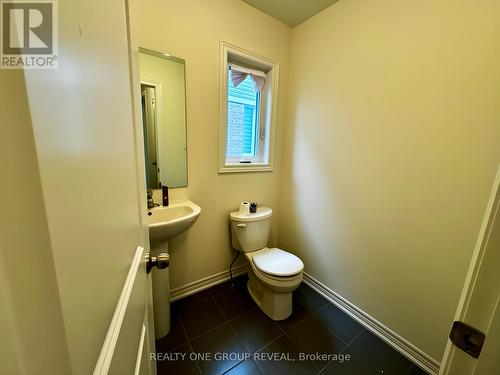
(274, 273)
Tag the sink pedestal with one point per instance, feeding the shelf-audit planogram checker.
(161, 293)
(165, 223)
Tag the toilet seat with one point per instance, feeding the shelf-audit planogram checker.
(276, 262)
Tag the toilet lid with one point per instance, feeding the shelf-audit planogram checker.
(277, 262)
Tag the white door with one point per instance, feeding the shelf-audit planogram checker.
(479, 305)
(75, 297)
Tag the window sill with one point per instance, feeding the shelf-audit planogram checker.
(245, 167)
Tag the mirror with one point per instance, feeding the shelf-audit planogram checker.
(163, 99)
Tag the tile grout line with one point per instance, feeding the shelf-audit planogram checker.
(348, 347)
(310, 316)
(192, 304)
(299, 350)
(227, 321)
(344, 348)
(232, 330)
(242, 343)
(354, 338)
(296, 323)
(205, 297)
(247, 348)
(265, 346)
(219, 308)
(237, 335)
(347, 344)
(189, 343)
(270, 342)
(361, 354)
(284, 333)
(209, 331)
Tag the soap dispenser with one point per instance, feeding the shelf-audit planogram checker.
(164, 195)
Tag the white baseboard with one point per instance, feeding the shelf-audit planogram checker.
(205, 283)
(402, 345)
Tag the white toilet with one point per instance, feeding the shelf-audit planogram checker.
(274, 274)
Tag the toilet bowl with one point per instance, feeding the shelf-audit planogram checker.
(273, 273)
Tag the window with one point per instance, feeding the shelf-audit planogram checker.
(248, 88)
(242, 120)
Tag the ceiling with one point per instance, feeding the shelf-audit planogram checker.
(291, 12)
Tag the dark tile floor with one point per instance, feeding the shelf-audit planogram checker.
(222, 331)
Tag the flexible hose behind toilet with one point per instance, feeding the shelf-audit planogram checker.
(231, 269)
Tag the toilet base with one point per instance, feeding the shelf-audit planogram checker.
(276, 305)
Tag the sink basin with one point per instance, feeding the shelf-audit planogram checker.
(167, 222)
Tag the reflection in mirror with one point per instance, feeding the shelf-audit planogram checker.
(163, 98)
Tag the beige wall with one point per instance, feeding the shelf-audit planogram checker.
(191, 30)
(393, 129)
(171, 122)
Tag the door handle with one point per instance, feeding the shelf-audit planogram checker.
(161, 262)
(467, 338)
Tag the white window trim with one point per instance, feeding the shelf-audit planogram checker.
(268, 105)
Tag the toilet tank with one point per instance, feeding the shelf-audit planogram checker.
(250, 232)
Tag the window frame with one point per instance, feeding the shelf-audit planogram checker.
(264, 161)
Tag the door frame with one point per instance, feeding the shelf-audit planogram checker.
(157, 118)
(135, 89)
(473, 272)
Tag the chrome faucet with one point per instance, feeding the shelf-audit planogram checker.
(151, 203)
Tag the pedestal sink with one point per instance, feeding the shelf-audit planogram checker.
(165, 223)
(170, 221)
